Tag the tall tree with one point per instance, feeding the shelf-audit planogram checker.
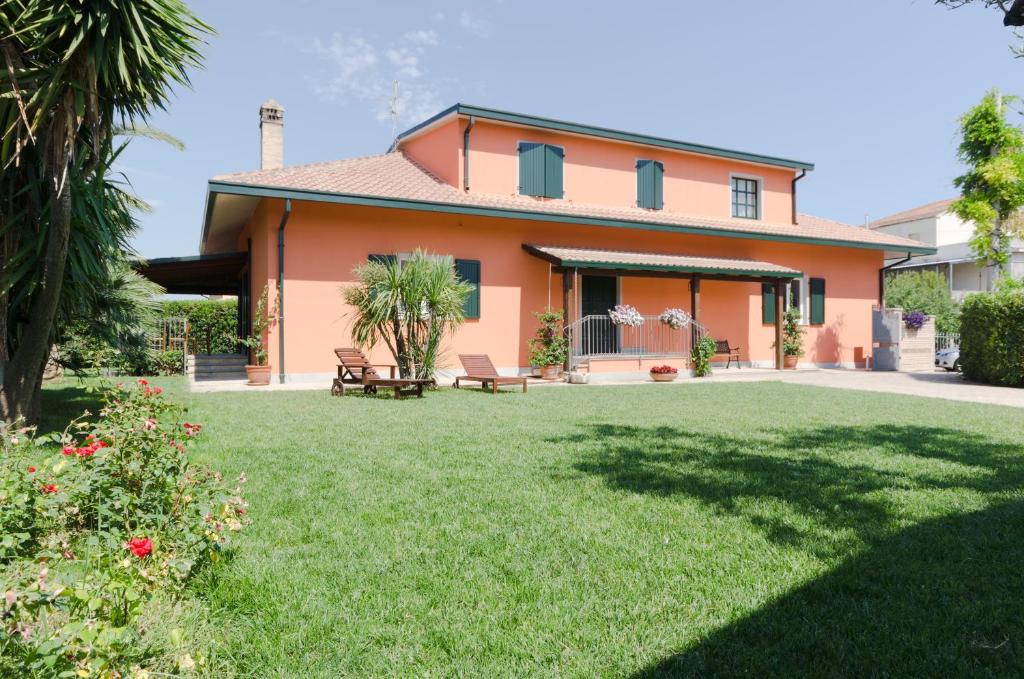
(1012, 11)
(992, 189)
(74, 70)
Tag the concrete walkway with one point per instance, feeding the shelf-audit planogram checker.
(950, 386)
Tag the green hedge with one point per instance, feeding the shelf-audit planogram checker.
(213, 326)
(992, 338)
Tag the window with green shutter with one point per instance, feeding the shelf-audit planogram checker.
(541, 170)
(817, 301)
(650, 179)
(469, 271)
(767, 302)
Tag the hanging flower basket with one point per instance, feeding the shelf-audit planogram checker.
(624, 314)
(675, 318)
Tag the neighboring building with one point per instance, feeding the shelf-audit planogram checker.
(936, 225)
(540, 212)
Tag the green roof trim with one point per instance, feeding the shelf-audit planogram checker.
(216, 186)
(572, 264)
(604, 133)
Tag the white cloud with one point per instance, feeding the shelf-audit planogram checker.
(422, 37)
(358, 70)
(475, 23)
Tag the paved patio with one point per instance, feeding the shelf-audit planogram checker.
(950, 386)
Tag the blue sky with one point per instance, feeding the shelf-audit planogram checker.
(869, 91)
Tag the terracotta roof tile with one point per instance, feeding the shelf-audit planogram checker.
(395, 175)
(922, 212)
(656, 260)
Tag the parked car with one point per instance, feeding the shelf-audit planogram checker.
(948, 359)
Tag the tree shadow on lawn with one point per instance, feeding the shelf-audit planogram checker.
(64, 402)
(941, 597)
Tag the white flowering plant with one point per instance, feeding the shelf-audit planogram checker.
(675, 318)
(624, 314)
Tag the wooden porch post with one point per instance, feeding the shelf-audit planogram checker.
(694, 307)
(779, 300)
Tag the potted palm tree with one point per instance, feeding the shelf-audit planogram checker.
(549, 349)
(258, 370)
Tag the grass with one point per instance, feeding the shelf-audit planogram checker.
(727, 529)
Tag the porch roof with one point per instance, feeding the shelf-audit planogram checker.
(585, 258)
(196, 275)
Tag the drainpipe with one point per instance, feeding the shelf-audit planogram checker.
(280, 287)
(803, 173)
(465, 153)
(881, 278)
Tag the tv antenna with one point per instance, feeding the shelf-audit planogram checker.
(394, 110)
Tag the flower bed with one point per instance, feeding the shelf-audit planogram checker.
(99, 527)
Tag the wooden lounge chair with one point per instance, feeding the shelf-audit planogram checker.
(354, 368)
(722, 348)
(479, 368)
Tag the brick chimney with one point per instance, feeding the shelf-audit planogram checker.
(271, 135)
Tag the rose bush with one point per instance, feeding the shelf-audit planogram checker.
(100, 525)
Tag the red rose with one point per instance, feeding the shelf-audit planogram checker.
(48, 488)
(158, 390)
(140, 547)
(88, 451)
(68, 450)
(31, 470)
(143, 382)
(101, 444)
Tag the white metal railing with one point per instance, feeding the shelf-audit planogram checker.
(946, 340)
(596, 336)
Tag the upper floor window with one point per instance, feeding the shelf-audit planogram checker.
(650, 180)
(540, 170)
(746, 198)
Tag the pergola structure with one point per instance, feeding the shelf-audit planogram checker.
(571, 261)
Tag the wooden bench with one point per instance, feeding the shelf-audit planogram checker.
(479, 368)
(355, 369)
(722, 348)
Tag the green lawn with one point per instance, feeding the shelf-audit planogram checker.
(758, 529)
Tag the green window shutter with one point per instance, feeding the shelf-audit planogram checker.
(650, 180)
(383, 259)
(768, 303)
(817, 301)
(469, 271)
(554, 158)
(531, 169)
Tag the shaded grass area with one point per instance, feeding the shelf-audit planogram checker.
(691, 530)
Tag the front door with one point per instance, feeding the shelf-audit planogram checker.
(598, 295)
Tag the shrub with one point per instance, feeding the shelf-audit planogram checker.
(213, 325)
(549, 347)
(701, 354)
(792, 333)
(926, 291)
(102, 525)
(992, 337)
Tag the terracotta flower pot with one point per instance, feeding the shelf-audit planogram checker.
(550, 372)
(259, 375)
(789, 362)
(664, 377)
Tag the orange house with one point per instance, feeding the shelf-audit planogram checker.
(540, 212)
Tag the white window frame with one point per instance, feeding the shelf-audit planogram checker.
(565, 183)
(805, 302)
(760, 193)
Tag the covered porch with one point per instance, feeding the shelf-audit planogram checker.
(593, 283)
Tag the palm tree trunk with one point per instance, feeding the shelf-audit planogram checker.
(22, 376)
